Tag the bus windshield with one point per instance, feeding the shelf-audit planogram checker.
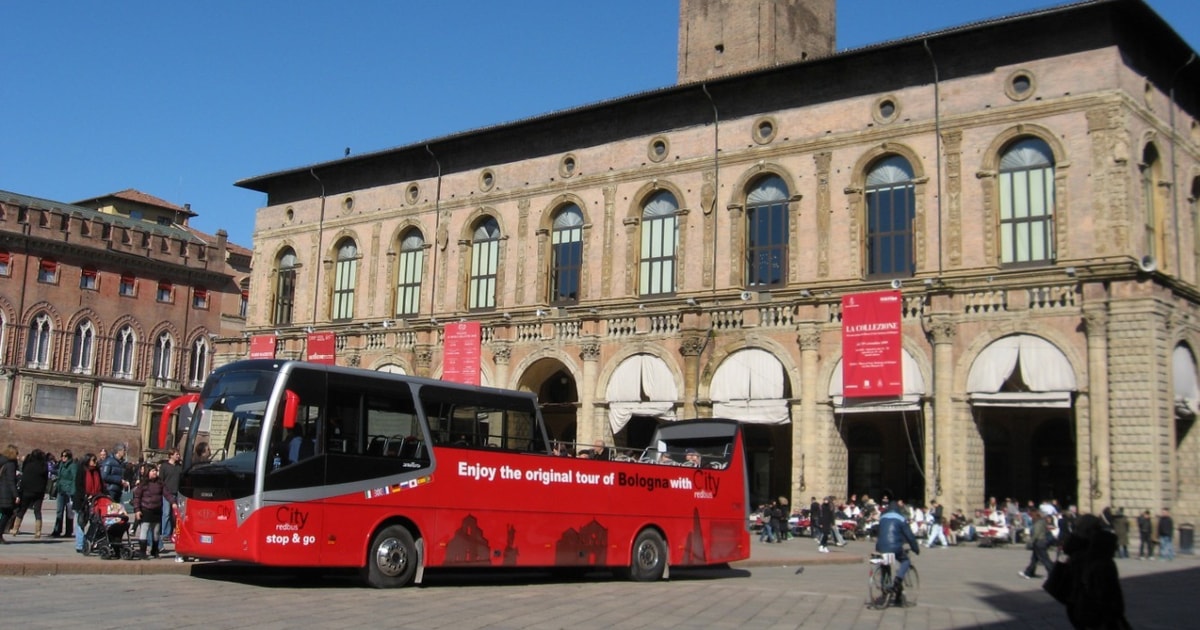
(231, 413)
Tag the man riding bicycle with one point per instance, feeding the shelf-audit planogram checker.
(893, 533)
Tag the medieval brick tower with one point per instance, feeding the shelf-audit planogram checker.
(723, 37)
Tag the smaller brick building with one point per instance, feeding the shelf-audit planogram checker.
(109, 308)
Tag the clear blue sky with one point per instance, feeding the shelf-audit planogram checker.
(181, 99)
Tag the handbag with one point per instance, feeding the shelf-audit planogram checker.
(1059, 583)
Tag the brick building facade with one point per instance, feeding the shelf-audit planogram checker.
(1029, 185)
(109, 308)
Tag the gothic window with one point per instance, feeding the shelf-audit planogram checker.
(83, 348)
(164, 349)
(198, 366)
(124, 349)
(38, 346)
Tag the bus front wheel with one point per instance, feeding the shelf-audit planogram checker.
(649, 561)
(392, 558)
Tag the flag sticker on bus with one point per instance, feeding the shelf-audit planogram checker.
(375, 493)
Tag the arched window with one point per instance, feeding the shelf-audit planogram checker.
(124, 353)
(38, 346)
(198, 366)
(83, 348)
(345, 278)
(485, 260)
(410, 269)
(285, 287)
(1027, 202)
(767, 233)
(164, 349)
(566, 255)
(891, 208)
(1153, 207)
(660, 238)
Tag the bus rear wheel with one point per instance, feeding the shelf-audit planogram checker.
(649, 561)
(391, 558)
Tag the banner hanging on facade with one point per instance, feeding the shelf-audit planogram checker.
(871, 345)
(262, 347)
(321, 348)
(460, 353)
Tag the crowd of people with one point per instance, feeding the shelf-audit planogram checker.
(75, 484)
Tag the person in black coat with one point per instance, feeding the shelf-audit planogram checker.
(35, 479)
(1096, 600)
(8, 488)
(826, 524)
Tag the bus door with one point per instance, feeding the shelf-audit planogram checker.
(292, 512)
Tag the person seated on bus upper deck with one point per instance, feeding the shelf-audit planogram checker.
(692, 458)
(599, 451)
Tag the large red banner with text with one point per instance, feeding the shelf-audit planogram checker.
(460, 353)
(262, 347)
(321, 348)
(871, 345)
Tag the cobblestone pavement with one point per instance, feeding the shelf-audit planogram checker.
(783, 586)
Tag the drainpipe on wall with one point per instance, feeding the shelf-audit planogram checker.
(1174, 170)
(437, 222)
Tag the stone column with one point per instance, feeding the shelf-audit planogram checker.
(1100, 477)
(804, 416)
(587, 429)
(947, 452)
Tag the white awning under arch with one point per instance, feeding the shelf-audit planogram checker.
(910, 400)
(641, 385)
(1187, 391)
(1044, 369)
(748, 386)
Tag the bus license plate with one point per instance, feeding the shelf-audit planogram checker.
(206, 539)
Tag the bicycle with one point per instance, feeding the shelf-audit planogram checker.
(880, 591)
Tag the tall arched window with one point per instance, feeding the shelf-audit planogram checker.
(1027, 202)
(345, 278)
(660, 238)
(891, 208)
(485, 261)
(285, 287)
(410, 268)
(767, 233)
(124, 353)
(38, 346)
(198, 365)
(566, 255)
(1152, 182)
(83, 348)
(164, 350)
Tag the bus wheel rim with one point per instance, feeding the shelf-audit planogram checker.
(391, 557)
(647, 555)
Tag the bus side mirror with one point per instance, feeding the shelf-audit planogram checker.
(291, 406)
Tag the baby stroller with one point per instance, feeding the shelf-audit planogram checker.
(108, 533)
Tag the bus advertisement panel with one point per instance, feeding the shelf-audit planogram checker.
(318, 466)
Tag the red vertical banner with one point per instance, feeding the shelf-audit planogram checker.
(871, 345)
(262, 347)
(460, 353)
(321, 348)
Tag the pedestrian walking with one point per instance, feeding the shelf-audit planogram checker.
(35, 477)
(1040, 541)
(64, 486)
(8, 488)
(1145, 536)
(1166, 535)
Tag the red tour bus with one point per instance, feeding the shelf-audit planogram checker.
(303, 465)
